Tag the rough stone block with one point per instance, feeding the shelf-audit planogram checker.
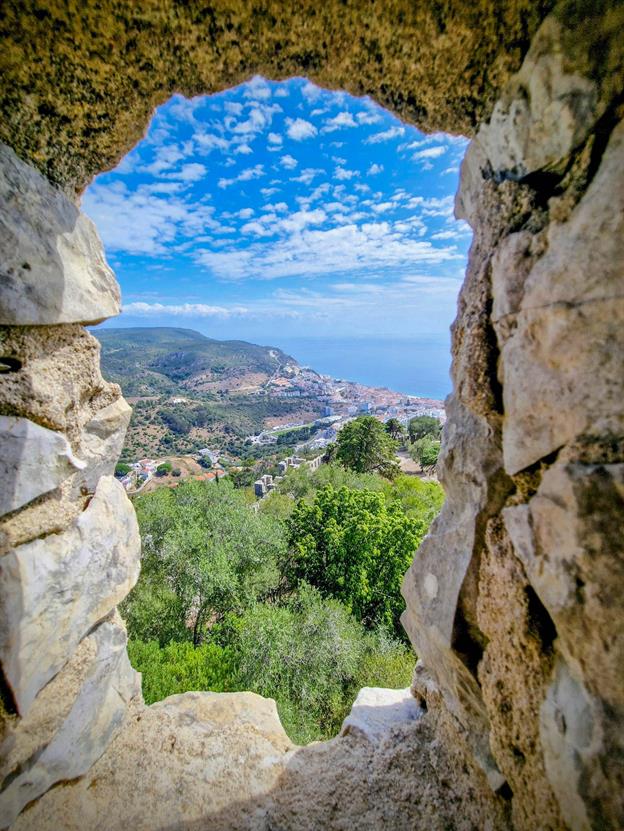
(55, 589)
(547, 110)
(33, 461)
(101, 444)
(97, 713)
(376, 711)
(52, 264)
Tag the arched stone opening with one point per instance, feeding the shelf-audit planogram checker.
(533, 449)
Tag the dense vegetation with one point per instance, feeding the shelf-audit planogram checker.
(298, 600)
(424, 434)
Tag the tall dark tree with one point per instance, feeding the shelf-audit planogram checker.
(394, 429)
(364, 446)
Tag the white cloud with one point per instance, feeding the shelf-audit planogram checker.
(250, 173)
(308, 252)
(142, 222)
(166, 157)
(344, 175)
(299, 129)
(208, 142)
(289, 162)
(338, 122)
(310, 91)
(381, 207)
(429, 153)
(274, 138)
(266, 192)
(386, 135)
(243, 149)
(233, 107)
(182, 310)
(281, 92)
(245, 213)
(257, 88)
(374, 169)
(280, 207)
(192, 172)
(368, 117)
(307, 175)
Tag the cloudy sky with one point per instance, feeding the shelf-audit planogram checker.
(287, 209)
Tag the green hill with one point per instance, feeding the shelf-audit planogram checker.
(163, 360)
(189, 391)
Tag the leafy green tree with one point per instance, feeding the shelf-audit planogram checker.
(354, 546)
(364, 446)
(424, 426)
(395, 429)
(425, 451)
(121, 469)
(164, 468)
(205, 546)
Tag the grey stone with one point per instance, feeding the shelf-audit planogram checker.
(544, 114)
(55, 589)
(33, 461)
(98, 711)
(52, 264)
(101, 443)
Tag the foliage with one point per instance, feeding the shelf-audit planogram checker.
(180, 667)
(425, 451)
(300, 483)
(121, 469)
(354, 546)
(164, 468)
(176, 472)
(364, 446)
(423, 426)
(205, 546)
(312, 657)
(420, 500)
(395, 429)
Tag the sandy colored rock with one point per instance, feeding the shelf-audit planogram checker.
(223, 761)
(422, 62)
(33, 461)
(376, 711)
(55, 589)
(99, 710)
(52, 265)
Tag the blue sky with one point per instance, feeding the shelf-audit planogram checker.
(281, 210)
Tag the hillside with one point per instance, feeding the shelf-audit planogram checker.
(163, 360)
(189, 391)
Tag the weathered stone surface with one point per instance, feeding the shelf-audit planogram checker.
(52, 265)
(223, 761)
(514, 674)
(58, 367)
(547, 110)
(423, 62)
(568, 539)
(55, 589)
(559, 323)
(97, 713)
(33, 461)
(376, 711)
(101, 444)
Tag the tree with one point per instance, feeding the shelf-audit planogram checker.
(205, 547)
(121, 469)
(394, 429)
(164, 468)
(354, 546)
(424, 426)
(364, 446)
(425, 451)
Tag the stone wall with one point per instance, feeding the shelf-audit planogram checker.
(514, 601)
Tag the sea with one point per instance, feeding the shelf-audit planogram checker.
(415, 366)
